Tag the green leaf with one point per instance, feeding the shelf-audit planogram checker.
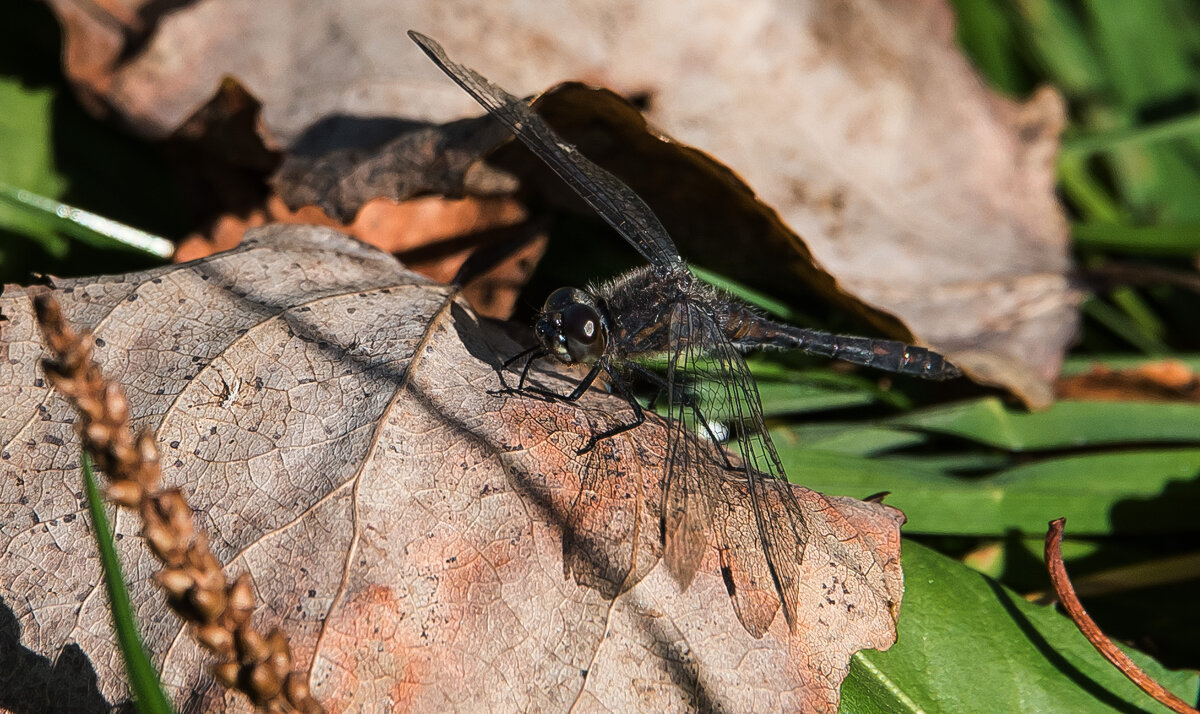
(1056, 37)
(1100, 494)
(1144, 54)
(967, 644)
(1064, 425)
(1177, 240)
(143, 678)
(985, 31)
(846, 438)
(27, 160)
(780, 398)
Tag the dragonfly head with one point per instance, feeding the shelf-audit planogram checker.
(571, 327)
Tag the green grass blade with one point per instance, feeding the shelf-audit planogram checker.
(143, 678)
(1122, 325)
(1177, 240)
(775, 308)
(1066, 425)
(1092, 200)
(1059, 42)
(83, 225)
(1187, 127)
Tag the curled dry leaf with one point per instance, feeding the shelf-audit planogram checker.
(1167, 380)
(924, 195)
(425, 543)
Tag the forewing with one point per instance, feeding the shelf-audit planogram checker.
(616, 203)
(759, 552)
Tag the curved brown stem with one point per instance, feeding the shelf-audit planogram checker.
(1090, 630)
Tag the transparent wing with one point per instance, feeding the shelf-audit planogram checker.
(763, 551)
(686, 512)
(607, 531)
(616, 203)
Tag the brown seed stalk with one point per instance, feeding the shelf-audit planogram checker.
(216, 610)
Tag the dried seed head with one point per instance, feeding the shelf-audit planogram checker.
(251, 645)
(218, 611)
(115, 402)
(263, 683)
(208, 571)
(207, 603)
(280, 659)
(296, 688)
(227, 674)
(216, 639)
(125, 493)
(164, 544)
(175, 581)
(98, 433)
(241, 600)
(89, 406)
(172, 509)
(147, 449)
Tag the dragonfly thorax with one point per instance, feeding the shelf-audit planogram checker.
(572, 327)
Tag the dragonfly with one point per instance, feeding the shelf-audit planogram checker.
(662, 311)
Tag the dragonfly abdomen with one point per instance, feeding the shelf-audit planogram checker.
(750, 332)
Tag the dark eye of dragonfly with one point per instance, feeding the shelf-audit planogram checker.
(585, 337)
(571, 328)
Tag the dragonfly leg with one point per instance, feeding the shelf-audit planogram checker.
(575, 394)
(686, 400)
(530, 355)
(713, 437)
(638, 415)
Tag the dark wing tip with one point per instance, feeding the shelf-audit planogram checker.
(428, 45)
(420, 38)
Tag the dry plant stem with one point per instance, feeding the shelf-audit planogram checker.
(217, 611)
(1103, 645)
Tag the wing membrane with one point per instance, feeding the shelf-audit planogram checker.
(722, 384)
(616, 203)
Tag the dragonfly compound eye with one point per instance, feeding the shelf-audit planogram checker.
(584, 332)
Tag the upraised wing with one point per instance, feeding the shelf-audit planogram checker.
(615, 202)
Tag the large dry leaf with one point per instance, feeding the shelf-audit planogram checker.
(859, 121)
(425, 543)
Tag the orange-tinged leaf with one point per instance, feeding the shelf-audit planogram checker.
(329, 415)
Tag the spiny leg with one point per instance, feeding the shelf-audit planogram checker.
(638, 416)
(687, 401)
(531, 354)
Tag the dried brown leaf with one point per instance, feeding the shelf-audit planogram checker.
(1168, 380)
(328, 414)
(928, 198)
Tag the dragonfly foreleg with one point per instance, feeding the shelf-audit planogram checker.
(638, 415)
(530, 355)
(686, 400)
